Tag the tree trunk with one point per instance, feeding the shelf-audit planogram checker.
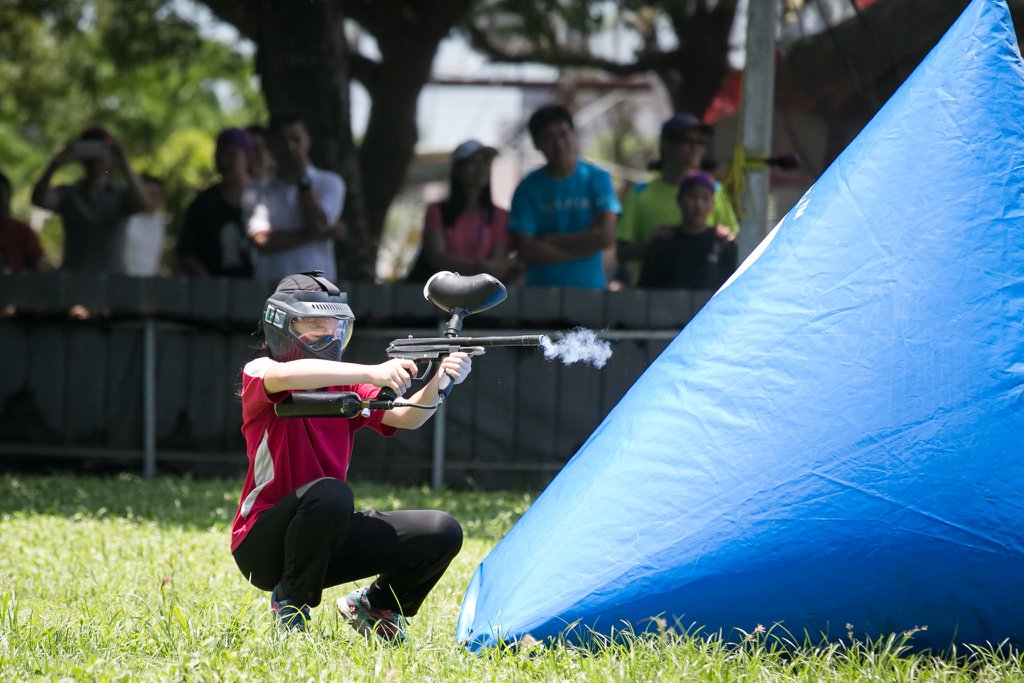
(302, 61)
(408, 41)
(702, 63)
(391, 135)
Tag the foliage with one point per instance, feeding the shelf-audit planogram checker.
(549, 27)
(684, 43)
(118, 579)
(134, 66)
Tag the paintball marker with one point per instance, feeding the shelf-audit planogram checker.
(458, 295)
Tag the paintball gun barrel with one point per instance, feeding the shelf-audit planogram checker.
(425, 351)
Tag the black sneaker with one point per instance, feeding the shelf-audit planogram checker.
(290, 615)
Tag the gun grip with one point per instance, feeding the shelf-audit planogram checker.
(445, 384)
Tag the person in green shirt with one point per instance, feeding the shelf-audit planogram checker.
(647, 207)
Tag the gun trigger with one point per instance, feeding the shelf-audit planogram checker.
(426, 373)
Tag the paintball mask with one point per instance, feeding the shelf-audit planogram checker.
(307, 317)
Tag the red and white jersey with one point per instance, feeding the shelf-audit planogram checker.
(286, 452)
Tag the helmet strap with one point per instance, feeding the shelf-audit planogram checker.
(325, 284)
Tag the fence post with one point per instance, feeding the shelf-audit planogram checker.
(437, 473)
(439, 442)
(149, 398)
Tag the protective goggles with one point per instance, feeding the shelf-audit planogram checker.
(318, 333)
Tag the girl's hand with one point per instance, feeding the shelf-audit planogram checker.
(396, 373)
(457, 366)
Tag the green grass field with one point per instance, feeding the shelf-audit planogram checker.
(122, 579)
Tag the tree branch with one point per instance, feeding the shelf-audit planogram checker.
(363, 69)
(391, 17)
(238, 14)
(652, 61)
(374, 16)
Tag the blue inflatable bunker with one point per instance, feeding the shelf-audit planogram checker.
(838, 437)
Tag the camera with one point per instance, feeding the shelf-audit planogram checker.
(88, 150)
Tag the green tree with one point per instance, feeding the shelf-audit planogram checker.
(684, 42)
(306, 62)
(133, 66)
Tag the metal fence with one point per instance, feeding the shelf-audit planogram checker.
(150, 381)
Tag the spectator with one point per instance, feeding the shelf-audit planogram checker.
(293, 220)
(144, 235)
(649, 206)
(466, 232)
(95, 209)
(213, 240)
(19, 246)
(563, 214)
(261, 161)
(691, 255)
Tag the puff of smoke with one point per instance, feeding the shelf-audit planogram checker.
(578, 346)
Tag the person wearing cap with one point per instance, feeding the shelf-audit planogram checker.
(563, 214)
(213, 240)
(466, 233)
(646, 207)
(294, 215)
(692, 254)
(297, 531)
(94, 210)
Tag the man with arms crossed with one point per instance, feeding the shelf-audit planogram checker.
(563, 214)
(292, 216)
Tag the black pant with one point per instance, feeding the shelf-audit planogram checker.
(313, 538)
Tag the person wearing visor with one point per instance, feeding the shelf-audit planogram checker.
(297, 531)
(465, 232)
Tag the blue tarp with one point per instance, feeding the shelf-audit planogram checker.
(837, 438)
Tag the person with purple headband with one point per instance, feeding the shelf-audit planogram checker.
(648, 207)
(691, 255)
(213, 240)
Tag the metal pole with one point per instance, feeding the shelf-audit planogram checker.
(149, 399)
(438, 461)
(437, 472)
(758, 101)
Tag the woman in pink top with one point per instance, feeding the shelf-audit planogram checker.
(466, 233)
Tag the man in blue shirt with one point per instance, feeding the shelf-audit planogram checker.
(563, 214)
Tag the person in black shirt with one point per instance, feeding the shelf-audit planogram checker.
(213, 242)
(690, 255)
